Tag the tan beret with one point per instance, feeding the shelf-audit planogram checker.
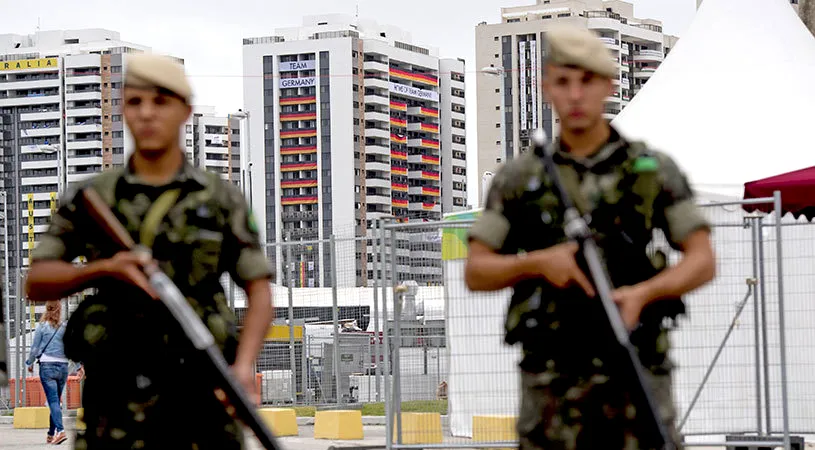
(568, 45)
(157, 71)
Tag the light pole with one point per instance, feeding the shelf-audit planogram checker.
(501, 74)
(6, 285)
(244, 116)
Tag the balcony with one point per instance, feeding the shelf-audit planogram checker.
(83, 96)
(378, 166)
(423, 127)
(377, 116)
(423, 111)
(40, 132)
(611, 43)
(83, 79)
(377, 100)
(644, 72)
(377, 83)
(79, 177)
(297, 216)
(375, 66)
(83, 112)
(424, 206)
(29, 84)
(424, 143)
(379, 199)
(84, 161)
(84, 128)
(377, 133)
(375, 149)
(378, 183)
(30, 100)
(649, 56)
(424, 159)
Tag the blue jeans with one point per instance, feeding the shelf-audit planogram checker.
(53, 377)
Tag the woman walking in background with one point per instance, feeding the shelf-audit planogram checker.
(49, 351)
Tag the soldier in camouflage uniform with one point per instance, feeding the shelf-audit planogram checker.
(572, 395)
(140, 392)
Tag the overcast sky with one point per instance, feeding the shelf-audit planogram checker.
(208, 33)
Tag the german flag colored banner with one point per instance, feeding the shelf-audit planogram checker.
(430, 175)
(293, 184)
(427, 159)
(399, 203)
(289, 134)
(430, 143)
(399, 139)
(298, 150)
(429, 190)
(397, 122)
(430, 128)
(284, 101)
(398, 106)
(412, 76)
(298, 200)
(395, 154)
(399, 187)
(428, 206)
(399, 170)
(429, 112)
(290, 117)
(294, 167)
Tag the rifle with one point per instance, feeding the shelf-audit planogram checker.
(236, 402)
(576, 228)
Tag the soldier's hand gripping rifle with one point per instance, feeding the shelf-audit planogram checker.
(577, 229)
(237, 403)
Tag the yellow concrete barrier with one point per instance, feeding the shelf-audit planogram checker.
(338, 425)
(494, 428)
(420, 428)
(80, 415)
(282, 421)
(32, 417)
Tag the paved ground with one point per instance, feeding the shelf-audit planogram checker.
(11, 439)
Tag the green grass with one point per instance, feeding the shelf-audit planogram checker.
(378, 409)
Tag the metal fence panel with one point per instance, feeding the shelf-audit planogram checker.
(725, 351)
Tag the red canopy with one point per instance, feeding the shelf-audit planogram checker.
(797, 192)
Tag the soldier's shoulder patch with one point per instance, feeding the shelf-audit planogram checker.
(646, 163)
(252, 223)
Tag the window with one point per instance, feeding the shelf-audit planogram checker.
(116, 118)
(497, 125)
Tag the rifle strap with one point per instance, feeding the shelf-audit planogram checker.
(571, 183)
(154, 216)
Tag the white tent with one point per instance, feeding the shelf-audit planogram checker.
(731, 102)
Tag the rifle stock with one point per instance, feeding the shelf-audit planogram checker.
(576, 228)
(236, 402)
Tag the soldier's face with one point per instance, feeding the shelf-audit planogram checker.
(578, 96)
(154, 118)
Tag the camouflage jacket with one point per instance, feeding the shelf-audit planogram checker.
(208, 231)
(625, 187)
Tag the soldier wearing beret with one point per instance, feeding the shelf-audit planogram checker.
(139, 391)
(572, 394)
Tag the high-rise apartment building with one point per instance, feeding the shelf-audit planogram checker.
(512, 51)
(354, 122)
(60, 123)
(213, 142)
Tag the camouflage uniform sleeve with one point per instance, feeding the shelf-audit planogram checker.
(677, 211)
(62, 241)
(244, 255)
(492, 227)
